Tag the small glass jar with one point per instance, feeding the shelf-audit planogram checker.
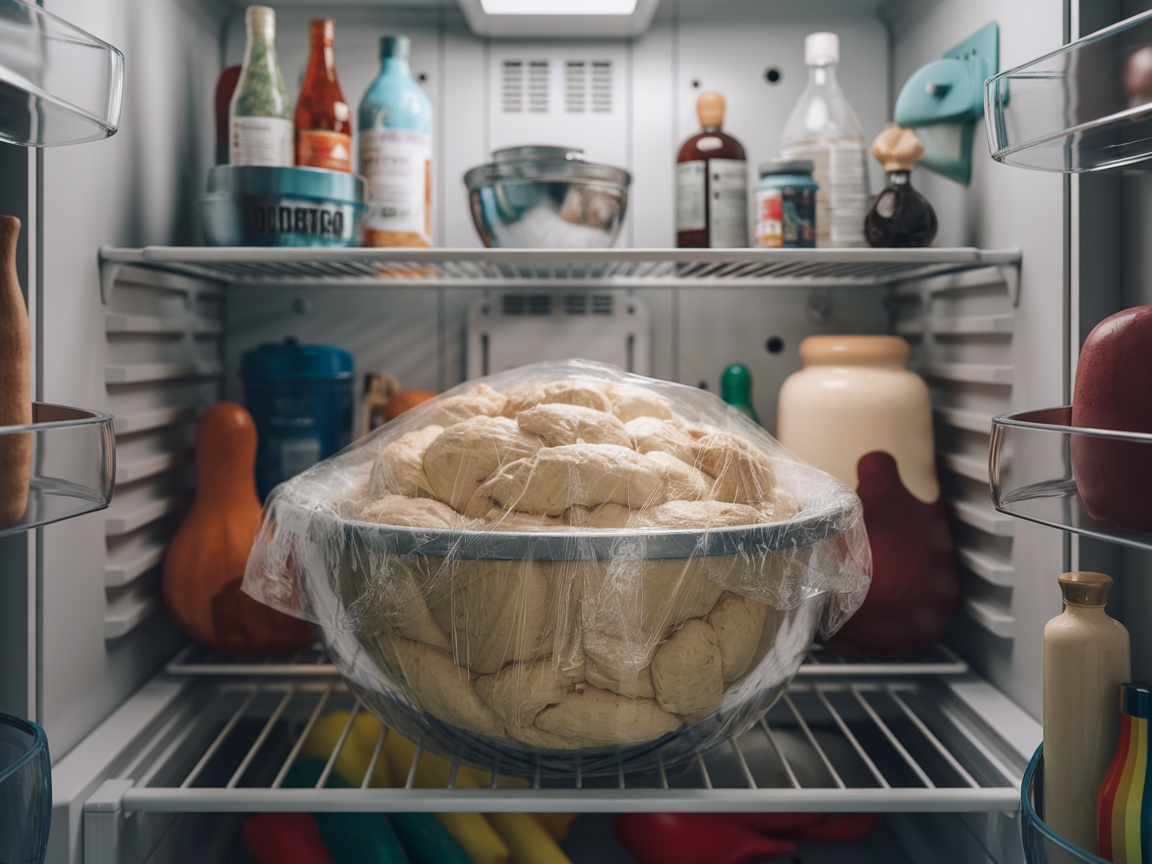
(785, 205)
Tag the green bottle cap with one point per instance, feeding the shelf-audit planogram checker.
(736, 389)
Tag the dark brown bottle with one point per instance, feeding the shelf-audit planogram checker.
(711, 184)
(900, 217)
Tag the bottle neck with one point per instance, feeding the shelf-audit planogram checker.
(323, 55)
(822, 76)
(899, 178)
(396, 65)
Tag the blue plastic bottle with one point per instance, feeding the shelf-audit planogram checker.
(396, 152)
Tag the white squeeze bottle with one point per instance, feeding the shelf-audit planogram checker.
(824, 128)
(1085, 662)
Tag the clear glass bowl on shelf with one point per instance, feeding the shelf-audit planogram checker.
(1042, 845)
(70, 457)
(1085, 107)
(1031, 463)
(58, 84)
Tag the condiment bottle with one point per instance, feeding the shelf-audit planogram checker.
(785, 205)
(736, 390)
(260, 114)
(1124, 805)
(396, 152)
(225, 88)
(711, 183)
(1085, 662)
(323, 119)
(824, 128)
(900, 217)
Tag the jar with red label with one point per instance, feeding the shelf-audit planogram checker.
(785, 205)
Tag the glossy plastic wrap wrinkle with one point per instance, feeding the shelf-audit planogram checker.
(565, 559)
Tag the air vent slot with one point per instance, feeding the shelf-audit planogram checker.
(538, 75)
(526, 304)
(512, 86)
(524, 86)
(588, 86)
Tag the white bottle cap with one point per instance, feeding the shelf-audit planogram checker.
(821, 49)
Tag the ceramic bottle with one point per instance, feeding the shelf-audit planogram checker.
(900, 217)
(855, 411)
(1085, 661)
(15, 381)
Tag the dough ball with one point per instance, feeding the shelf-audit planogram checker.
(605, 516)
(410, 512)
(399, 467)
(589, 394)
(630, 402)
(650, 434)
(697, 515)
(437, 685)
(519, 692)
(480, 401)
(738, 622)
(620, 666)
(742, 474)
(463, 456)
(515, 521)
(557, 424)
(575, 475)
(687, 671)
(682, 480)
(497, 612)
(598, 717)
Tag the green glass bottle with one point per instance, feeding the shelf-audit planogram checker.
(736, 390)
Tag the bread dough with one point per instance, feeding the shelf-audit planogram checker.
(605, 516)
(410, 512)
(575, 475)
(399, 466)
(742, 474)
(496, 612)
(519, 692)
(465, 455)
(437, 685)
(596, 717)
(590, 394)
(557, 424)
(738, 622)
(620, 666)
(687, 671)
(515, 521)
(630, 402)
(684, 482)
(650, 434)
(697, 515)
(480, 401)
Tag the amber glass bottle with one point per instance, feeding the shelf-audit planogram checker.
(323, 119)
(900, 217)
(711, 183)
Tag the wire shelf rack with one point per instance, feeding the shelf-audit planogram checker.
(561, 268)
(820, 662)
(880, 745)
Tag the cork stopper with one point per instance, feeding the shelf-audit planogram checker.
(897, 149)
(710, 109)
(1084, 588)
(852, 350)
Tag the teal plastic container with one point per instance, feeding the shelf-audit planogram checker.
(301, 398)
(785, 205)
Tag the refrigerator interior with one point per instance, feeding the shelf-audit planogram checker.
(151, 338)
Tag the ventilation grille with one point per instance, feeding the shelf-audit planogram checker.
(525, 86)
(573, 304)
(588, 304)
(526, 304)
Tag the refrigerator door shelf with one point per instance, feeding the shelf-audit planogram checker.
(1084, 107)
(1032, 460)
(72, 459)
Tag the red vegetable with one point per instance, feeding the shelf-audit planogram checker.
(284, 838)
(691, 838)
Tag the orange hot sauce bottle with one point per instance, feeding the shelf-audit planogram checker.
(323, 118)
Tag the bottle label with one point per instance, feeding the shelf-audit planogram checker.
(785, 217)
(260, 141)
(397, 166)
(842, 200)
(727, 203)
(690, 180)
(320, 148)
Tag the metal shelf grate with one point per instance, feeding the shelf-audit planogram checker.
(558, 268)
(881, 745)
(195, 659)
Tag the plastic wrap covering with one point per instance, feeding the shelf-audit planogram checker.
(566, 567)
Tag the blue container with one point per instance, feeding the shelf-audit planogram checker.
(25, 791)
(301, 399)
(1042, 845)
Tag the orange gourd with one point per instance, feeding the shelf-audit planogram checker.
(204, 565)
(402, 400)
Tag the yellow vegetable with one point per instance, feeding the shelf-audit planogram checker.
(356, 754)
(471, 830)
(559, 825)
(527, 839)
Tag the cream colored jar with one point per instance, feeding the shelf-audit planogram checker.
(855, 396)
